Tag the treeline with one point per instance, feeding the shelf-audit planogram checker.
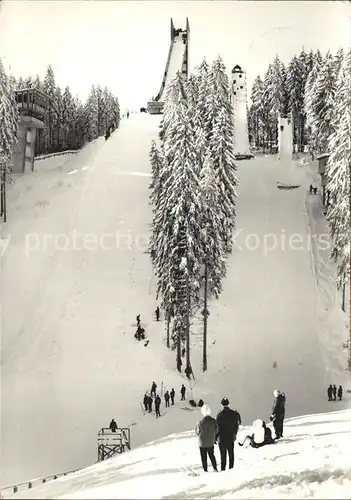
(69, 124)
(305, 88)
(315, 89)
(193, 197)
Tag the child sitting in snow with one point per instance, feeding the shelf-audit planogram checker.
(261, 435)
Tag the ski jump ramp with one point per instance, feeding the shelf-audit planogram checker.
(177, 60)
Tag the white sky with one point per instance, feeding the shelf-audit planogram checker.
(124, 44)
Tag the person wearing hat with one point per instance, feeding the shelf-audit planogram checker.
(207, 429)
(228, 421)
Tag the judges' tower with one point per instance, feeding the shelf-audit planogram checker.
(239, 104)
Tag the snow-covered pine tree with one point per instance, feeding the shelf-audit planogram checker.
(68, 112)
(295, 83)
(322, 105)
(178, 252)
(92, 114)
(49, 88)
(338, 173)
(202, 94)
(9, 116)
(222, 155)
(175, 94)
(256, 118)
(156, 172)
(213, 250)
(269, 117)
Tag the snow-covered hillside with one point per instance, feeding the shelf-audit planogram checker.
(69, 358)
(312, 461)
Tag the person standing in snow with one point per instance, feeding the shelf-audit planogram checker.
(330, 393)
(182, 392)
(334, 392)
(146, 402)
(157, 313)
(311, 188)
(172, 394)
(166, 396)
(138, 320)
(153, 388)
(207, 429)
(150, 400)
(157, 406)
(340, 392)
(228, 421)
(127, 114)
(278, 413)
(113, 425)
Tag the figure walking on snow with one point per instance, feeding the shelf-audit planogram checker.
(150, 404)
(172, 394)
(138, 320)
(146, 402)
(334, 392)
(340, 392)
(182, 392)
(278, 413)
(311, 188)
(157, 406)
(157, 313)
(153, 388)
(166, 396)
(228, 425)
(330, 393)
(207, 429)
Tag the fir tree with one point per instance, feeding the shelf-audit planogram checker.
(92, 114)
(9, 117)
(256, 117)
(322, 105)
(49, 88)
(338, 173)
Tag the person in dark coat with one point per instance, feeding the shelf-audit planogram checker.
(166, 396)
(311, 188)
(113, 425)
(172, 394)
(150, 400)
(340, 392)
(138, 319)
(228, 425)
(146, 402)
(107, 134)
(127, 114)
(314, 190)
(153, 388)
(157, 406)
(182, 392)
(334, 392)
(330, 393)
(278, 413)
(207, 429)
(157, 313)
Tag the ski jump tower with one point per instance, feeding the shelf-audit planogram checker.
(177, 60)
(239, 106)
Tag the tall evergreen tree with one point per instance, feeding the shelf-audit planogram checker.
(49, 88)
(339, 172)
(9, 116)
(322, 105)
(256, 117)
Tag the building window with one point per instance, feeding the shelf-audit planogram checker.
(234, 81)
(234, 93)
(281, 128)
(240, 76)
(241, 87)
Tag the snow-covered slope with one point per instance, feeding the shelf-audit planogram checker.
(175, 63)
(312, 461)
(69, 359)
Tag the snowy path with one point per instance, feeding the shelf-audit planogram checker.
(68, 366)
(266, 325)
(65, 369)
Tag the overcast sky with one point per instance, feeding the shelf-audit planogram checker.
(124, 44)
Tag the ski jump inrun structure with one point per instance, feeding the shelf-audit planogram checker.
(177, 60)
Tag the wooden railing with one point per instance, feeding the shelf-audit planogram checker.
(15, 488)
